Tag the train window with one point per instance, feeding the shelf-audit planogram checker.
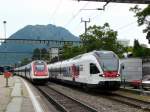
(93, 69)
(66, 72)
(108, 61)
(106, 55)
(40, 67)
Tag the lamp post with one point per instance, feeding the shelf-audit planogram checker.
(4, 22)
(4, 29)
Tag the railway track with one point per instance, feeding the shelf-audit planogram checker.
(130, 101)
(134, 91)
(63, 102)
(144, 105)
(137, 103)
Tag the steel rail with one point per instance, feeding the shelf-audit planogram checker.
(137, 103)
(144, 105)
(138, 91)
(63, 102)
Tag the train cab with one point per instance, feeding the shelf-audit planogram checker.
(39, 71)
(36, 72)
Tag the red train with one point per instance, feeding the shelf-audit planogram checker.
(36, 71)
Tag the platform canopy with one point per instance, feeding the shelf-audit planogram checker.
(122, 1)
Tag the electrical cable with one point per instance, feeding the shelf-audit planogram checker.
(127, 25)
(56, 9)
(76, 14)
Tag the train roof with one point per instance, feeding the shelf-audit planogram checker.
(28, 65)
(91, 53)
(83, 55)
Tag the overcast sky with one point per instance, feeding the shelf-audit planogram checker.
(67, 13)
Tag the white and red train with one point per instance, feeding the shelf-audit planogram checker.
(36, 71)
(97, 69)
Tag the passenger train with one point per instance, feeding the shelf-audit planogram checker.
(96, 69)
(36, 71)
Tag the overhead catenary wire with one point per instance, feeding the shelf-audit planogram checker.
(79, 23)
(120, 28)
(56, 9)
(95, 15)
(75, 15)
(103, 8)
(98, 9)
(71, 12)
(127, 25)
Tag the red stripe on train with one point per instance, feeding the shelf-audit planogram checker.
(111, 74)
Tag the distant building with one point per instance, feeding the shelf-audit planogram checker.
(144, 45)
(124, 42)
(54, 52)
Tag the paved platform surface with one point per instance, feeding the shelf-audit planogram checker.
(15, 97)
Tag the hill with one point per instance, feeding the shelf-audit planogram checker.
(40, 32)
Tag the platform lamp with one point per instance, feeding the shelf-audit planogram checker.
(4, 30)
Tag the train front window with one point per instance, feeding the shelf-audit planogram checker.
(40, 67)
(108, 61)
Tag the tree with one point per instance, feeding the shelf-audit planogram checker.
(25, 61)
(101, 38)
(40, 54)
(36, 54)
(44, 54)
(96, 38)
(137, 49)
(143, 18)
(70, 51)
(140, 51)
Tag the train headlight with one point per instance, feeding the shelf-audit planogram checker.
(118, 75)
(101, 75)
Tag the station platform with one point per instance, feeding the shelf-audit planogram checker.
(15, 97)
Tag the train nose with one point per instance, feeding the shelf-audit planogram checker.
(109, 85)
(110, 74)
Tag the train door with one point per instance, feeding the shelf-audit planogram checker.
(92, 72)
(93, 69)
(83, 71)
